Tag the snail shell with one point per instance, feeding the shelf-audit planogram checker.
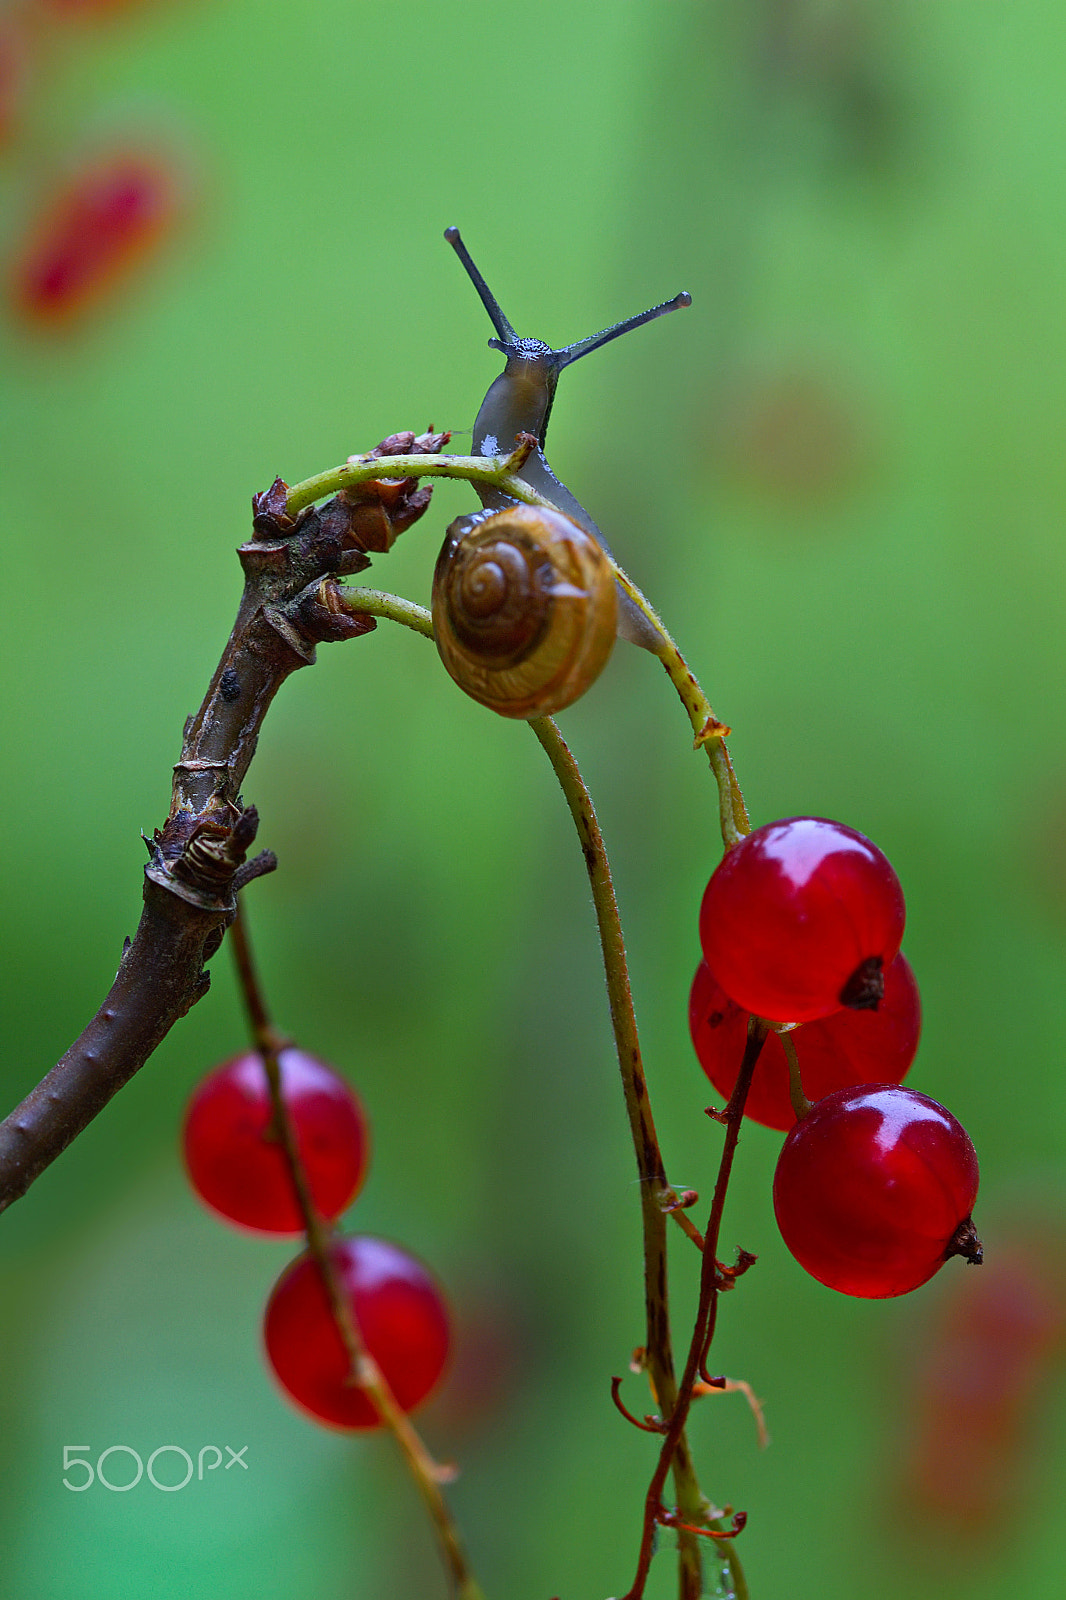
(524, 609)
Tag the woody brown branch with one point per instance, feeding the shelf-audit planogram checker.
(290, 604)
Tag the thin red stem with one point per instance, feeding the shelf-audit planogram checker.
(365, 1371)
(649, 1425)
(710, 1279)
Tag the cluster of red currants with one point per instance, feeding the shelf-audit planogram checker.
(801, 925)
(236, 1162)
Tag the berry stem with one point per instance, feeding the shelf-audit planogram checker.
(656, 1193)
(686, 1224)
(709, 732)
(365, 1371)
(702, 1332)
(658, 1352)
(800, 1104)
(268, 1040)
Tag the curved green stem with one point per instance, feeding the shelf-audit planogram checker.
(709, 731)
(376, 603)
(501, 473)
(654, 1190)
(657, 1197)
(497, 471)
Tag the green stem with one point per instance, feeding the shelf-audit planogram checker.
(656, 1194)
(501, 473)
(376, 603)
(709, 732)
(800, 1104)
(654, 1190)
(497, 471)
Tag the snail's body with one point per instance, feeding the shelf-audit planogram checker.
(520, 401)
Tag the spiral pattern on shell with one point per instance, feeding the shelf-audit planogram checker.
(525, 609)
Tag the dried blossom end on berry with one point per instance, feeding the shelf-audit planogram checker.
(874, 1191)
(797, 913)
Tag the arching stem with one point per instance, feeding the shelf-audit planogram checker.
(654, 1188)
(658, 1199)
(500, 473)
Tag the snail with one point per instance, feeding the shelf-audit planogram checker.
(526, 606)
(524, 609)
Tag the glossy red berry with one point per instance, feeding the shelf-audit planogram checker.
(874, 1189)
(235, 1161)
(836, 1052)
(800, 918)
(399, 1310)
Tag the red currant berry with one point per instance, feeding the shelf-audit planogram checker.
(92, 234)
(399, 1310)
(800, 918)
(235, 1160)
(836, 1052)
(874, 1188)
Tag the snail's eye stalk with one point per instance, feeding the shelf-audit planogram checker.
(583, 346)
(508, 340)
(488, 299)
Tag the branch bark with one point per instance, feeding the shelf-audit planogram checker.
(291, 603)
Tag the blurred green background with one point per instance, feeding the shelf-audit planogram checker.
(839, 477)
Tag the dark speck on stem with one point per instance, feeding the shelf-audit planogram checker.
(229, 686)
